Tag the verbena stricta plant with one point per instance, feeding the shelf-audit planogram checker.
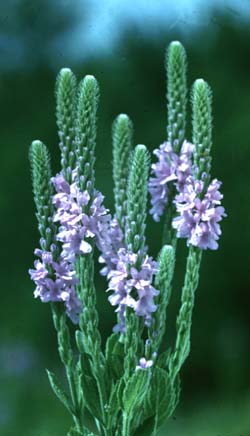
(132, 385)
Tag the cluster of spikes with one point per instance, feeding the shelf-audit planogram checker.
(133, 386)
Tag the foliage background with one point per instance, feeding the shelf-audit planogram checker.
(36, 39)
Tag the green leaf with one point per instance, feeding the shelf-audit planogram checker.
(120, 390)
(115, 356)
(147, 428)
(158, 395)
(135, 390)
(163, 282)
(174, 399)
(162, 360)
(59, 391)
(161, 399)
(80, 341)
(74, 432)
(91, 396)
(113, 407)
(89, 423)
(171, 402)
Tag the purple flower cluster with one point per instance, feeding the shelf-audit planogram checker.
(109, 242)
(81, 219)
(55, 281)
(170, 167)
(132, 286)
(77, 226)
(199, 213)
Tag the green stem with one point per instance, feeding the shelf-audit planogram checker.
(74, 397)
(89, 326)
(126, 425)
(155, 431)
(184, 319)
(66, 355)
(169, 233)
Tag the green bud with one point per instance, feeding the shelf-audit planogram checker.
(42, 189)
(176, 67)
(163, 283)
(66, 86)
(202, 128)
(122, 142)
(86, 131)
(137, 198)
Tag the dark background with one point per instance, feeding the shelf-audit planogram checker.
(35, 41)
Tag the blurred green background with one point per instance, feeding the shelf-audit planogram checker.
(123, 44)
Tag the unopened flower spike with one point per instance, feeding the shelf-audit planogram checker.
(137, 199)
(90, 205)
(54, 277)
(88, 98)
(163, 282)
(174, 155)
(134, 269)
(201, 98)
(195, 220)
(199, 204)
(66, 87)
(122, 144)
(176, 68)
(42, 189)
(112, 236)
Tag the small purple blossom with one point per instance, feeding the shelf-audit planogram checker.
(170, 167)
(132, 286)
(77, 226)
(81, 218)
(144, 364)
(199, 214)
(55, 281)
(109, 242)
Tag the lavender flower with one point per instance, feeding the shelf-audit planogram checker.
(55, 281)
(132, 286)
(109, 241)
(170, 167)
(199, 214)
(144, 364)
(77, 226)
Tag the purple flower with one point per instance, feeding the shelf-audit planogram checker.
(55, 281)
(81, 218)
(132, 286)
(144, 364)
(169, 168)
(109, 242)
(73, 306)
(199, 214)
